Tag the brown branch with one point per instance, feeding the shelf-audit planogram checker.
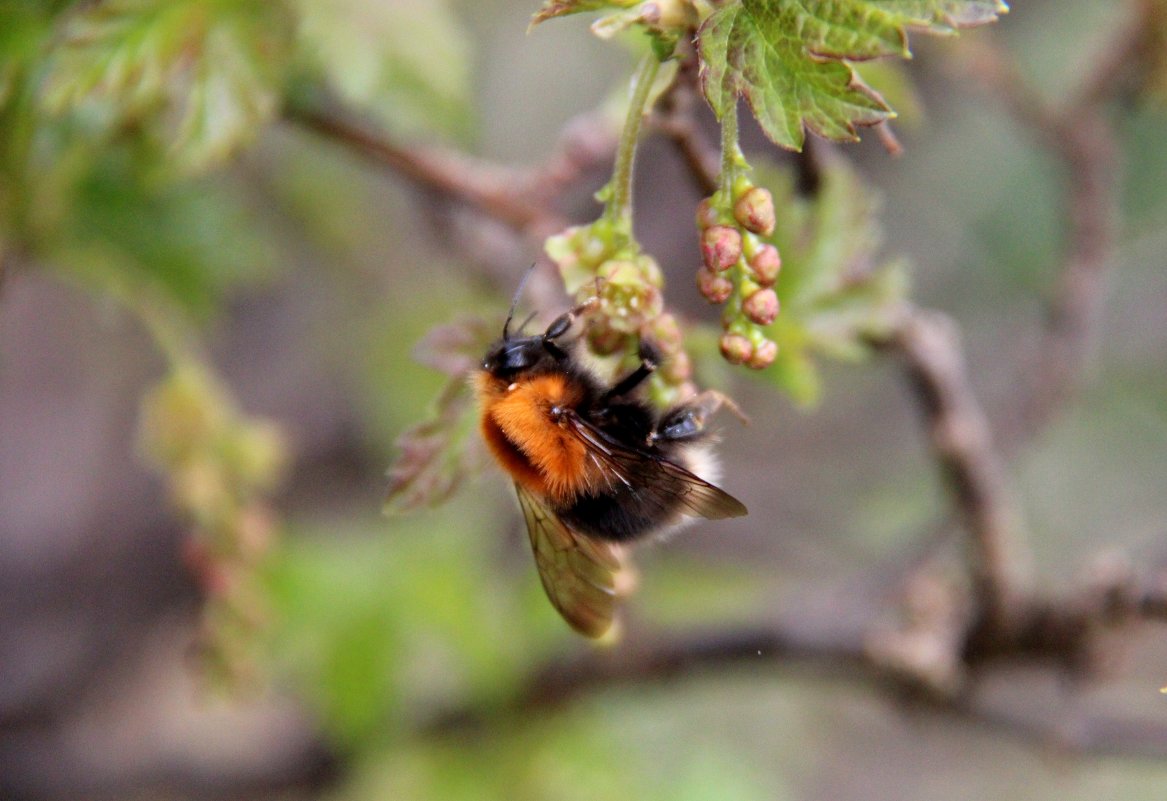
(928, 344)
(449, 172)
(677, 120)
(521, 199)
(651, 658)
(655, 659)
(1122, 67)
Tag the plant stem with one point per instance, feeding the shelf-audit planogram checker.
(731, 153)
(731, 161)
(619, 208)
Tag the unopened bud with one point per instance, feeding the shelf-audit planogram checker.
(765, 265)
(650, 271)
(625, 299)
(763, 354)
(761, 307)
(673, 14)
(755, 211)
(715, 288)
(678, 368)
(721, 247)
(707, 214)
(604, 340)
(735, 348)
(665, 333)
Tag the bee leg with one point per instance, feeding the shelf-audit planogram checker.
(688, 420)
(561, 324)
(649, 360)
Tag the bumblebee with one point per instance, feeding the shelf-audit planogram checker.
(594, 467)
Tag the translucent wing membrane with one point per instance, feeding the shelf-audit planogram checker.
(581, 576)
(653, 480)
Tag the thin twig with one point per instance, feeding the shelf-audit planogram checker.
(677, 120)
(494, 190)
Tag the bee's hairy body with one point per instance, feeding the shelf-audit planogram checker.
(593, 467)
(526, 432)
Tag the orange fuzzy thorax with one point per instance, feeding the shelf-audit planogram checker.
(525, 438)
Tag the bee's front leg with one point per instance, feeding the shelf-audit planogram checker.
(649, 361)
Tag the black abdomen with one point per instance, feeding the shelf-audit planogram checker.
(623, 514)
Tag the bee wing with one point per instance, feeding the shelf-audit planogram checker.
(581, 576)
(652, 476)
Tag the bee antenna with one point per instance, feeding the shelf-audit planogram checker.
(506, 327)
(527, 322)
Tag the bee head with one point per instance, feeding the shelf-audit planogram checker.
(516, 355)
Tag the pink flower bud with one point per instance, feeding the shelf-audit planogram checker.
(765, 265)
(761, 307)
(715, 288)
(763, 354)
(735, 348)
(706, 214)
(755, 211)
(721, 247)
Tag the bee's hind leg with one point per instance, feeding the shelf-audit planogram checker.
(688, 421)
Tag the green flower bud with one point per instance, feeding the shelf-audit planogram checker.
(626, 300)
(650, 271)
(665, 333)
(678, 368)
(604, 340)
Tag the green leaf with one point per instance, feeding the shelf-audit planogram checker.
(200, 76)
(788, 58)
(22, 31)
(406, 61)
(195, 240)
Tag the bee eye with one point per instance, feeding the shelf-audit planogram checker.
(512, 357)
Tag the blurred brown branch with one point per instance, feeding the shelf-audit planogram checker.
(524, 200)
(676, 119)
(928, 343)
(849, 654)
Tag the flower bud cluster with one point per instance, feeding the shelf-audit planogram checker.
(219, 465)
(739, 269)
(602, 260)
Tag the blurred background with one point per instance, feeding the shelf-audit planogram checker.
(305, 279)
